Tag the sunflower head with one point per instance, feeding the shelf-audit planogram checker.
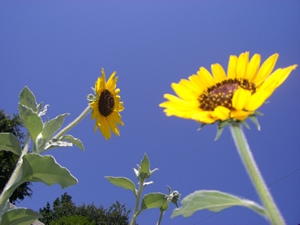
(106, 105)
(227, 98)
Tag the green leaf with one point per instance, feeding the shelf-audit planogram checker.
(31, 121)
(145, 165)
(123, 182)
(4, 208)
(75, 141)
(153, 200)
(144, 169)
(37, 168)
(9, 142)
(27, 98)
(19, 216)
(48, 131)
(214, 201)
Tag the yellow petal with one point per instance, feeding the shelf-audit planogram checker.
(257, 99)
(104, 128)
(242, 64)
(205, 77)
(240, 115)
(231, 70)
(182, 91)
(266, 69)
(240, 98)
(113, 126)
(284, 74)
(218, 73)
(252, 67)
(222, 112)
(203, 117)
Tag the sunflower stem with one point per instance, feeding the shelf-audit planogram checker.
(72, 124)
(138, 199)
(160, 216)
(246, 155)
(15, 175)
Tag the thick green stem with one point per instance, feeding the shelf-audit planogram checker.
(6, 193)
(250, 164)
(136, 211)
(72, 124)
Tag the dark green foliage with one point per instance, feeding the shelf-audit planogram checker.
(8, 160)
(71, 220)
(64, 213)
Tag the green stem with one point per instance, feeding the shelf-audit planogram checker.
(72, 124)
(136, 211)
(250, 164)
(160, 216)
(6, 193)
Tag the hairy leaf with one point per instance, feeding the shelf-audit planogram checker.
(123, 182)
(19, 216)
(214, 201)
(31, 121)
(27, 99)
(75, 141)
(9, 142)
(153, 200)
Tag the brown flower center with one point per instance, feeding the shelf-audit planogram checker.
(106, 103)
(221, 94)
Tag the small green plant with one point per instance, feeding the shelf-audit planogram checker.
(151, 200)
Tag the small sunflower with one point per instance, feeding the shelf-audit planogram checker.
(106, 105)
(208, 99)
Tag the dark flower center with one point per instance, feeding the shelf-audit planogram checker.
(106, 103)
(221, 94)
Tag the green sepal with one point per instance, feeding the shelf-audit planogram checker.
(37, 168)
(27, 99)
(258, 113)
(123, 182)
(9, 142)
(202, 125)
(153, 200)
(245, 124)
(221, 126)
(19, 216)
(214, 201)
(73, 140)
(255, 121)
(173, 197)
(31, 121)
(91, 98)
(48, 131)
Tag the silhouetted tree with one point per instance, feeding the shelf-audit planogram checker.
(66, 213)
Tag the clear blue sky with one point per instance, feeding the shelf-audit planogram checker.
(57, 49)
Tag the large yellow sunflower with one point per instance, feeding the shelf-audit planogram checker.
(107, 105)
(207, 99)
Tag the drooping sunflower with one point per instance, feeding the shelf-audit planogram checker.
(106, 105)
(208, 99)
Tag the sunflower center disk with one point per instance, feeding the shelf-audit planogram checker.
(106, 103)
(221, 94)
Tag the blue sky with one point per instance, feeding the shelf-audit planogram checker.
(57, 49)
